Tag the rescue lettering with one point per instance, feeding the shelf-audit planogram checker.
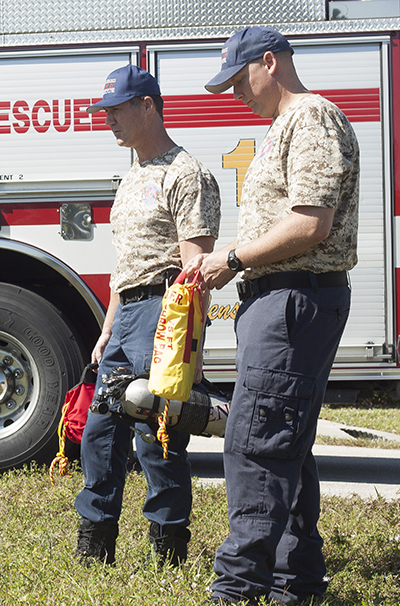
(56, 115)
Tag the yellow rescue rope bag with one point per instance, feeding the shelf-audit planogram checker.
(176, 343)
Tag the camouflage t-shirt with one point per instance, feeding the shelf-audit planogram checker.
(309, 157)
(160, 203)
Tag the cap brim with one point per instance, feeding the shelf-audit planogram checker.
(107, 102)
(220, 83)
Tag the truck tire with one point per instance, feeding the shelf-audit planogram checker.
(40, 359)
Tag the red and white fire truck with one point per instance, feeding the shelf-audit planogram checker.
(60, 168)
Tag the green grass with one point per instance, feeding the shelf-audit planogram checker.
(385, 419)
(38, 535)
(359, 442)
(378, 411)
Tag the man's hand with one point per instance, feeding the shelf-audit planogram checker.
(213, 268)
(99, 348)
(215, 271)
(194, 264)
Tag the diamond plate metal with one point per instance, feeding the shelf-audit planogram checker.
(342, 27)
(28, 16)
(40, 22)
(40, 16)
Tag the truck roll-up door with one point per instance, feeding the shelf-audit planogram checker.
(348, 72)
(44, 126)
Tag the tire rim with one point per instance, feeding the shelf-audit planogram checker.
(19, 385)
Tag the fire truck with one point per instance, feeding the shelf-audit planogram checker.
(60, 169)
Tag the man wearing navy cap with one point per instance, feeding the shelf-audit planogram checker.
(166, 210)
(297, 237)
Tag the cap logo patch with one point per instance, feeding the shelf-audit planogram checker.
(223, 55)
(109, 86)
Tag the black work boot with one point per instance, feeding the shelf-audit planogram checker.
(172, 545)
(96, 541)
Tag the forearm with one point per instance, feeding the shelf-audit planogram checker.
(109, 319)
(298, 232)
(105, 336)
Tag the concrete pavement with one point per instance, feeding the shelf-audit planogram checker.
(344, 470)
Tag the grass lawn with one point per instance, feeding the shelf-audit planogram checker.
(379, 412)
(38, 535)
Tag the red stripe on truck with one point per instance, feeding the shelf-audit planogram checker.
(188, 111)
(194, 111)
(40, 213)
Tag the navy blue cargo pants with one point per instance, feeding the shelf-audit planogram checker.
(286, 343)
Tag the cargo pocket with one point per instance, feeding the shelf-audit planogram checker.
(274, 414)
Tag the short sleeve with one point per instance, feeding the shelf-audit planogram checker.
(317, 164)
(195, 205)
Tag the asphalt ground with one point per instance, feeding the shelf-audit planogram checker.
(344, 470)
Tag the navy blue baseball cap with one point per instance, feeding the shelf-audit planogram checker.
(123, 84)
(241, 48)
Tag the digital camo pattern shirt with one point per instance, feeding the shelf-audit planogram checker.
(160, 203)
(309, 157)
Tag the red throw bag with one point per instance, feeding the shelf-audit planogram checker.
(73, 419)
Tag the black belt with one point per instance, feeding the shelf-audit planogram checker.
(290, 279)
(139, 293)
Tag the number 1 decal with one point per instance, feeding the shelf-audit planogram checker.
(240, 158)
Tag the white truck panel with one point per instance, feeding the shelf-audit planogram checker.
(185, 72)
(95, 256)
(333, 66)
(325, 66)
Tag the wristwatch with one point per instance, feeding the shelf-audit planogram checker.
(233, 262)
